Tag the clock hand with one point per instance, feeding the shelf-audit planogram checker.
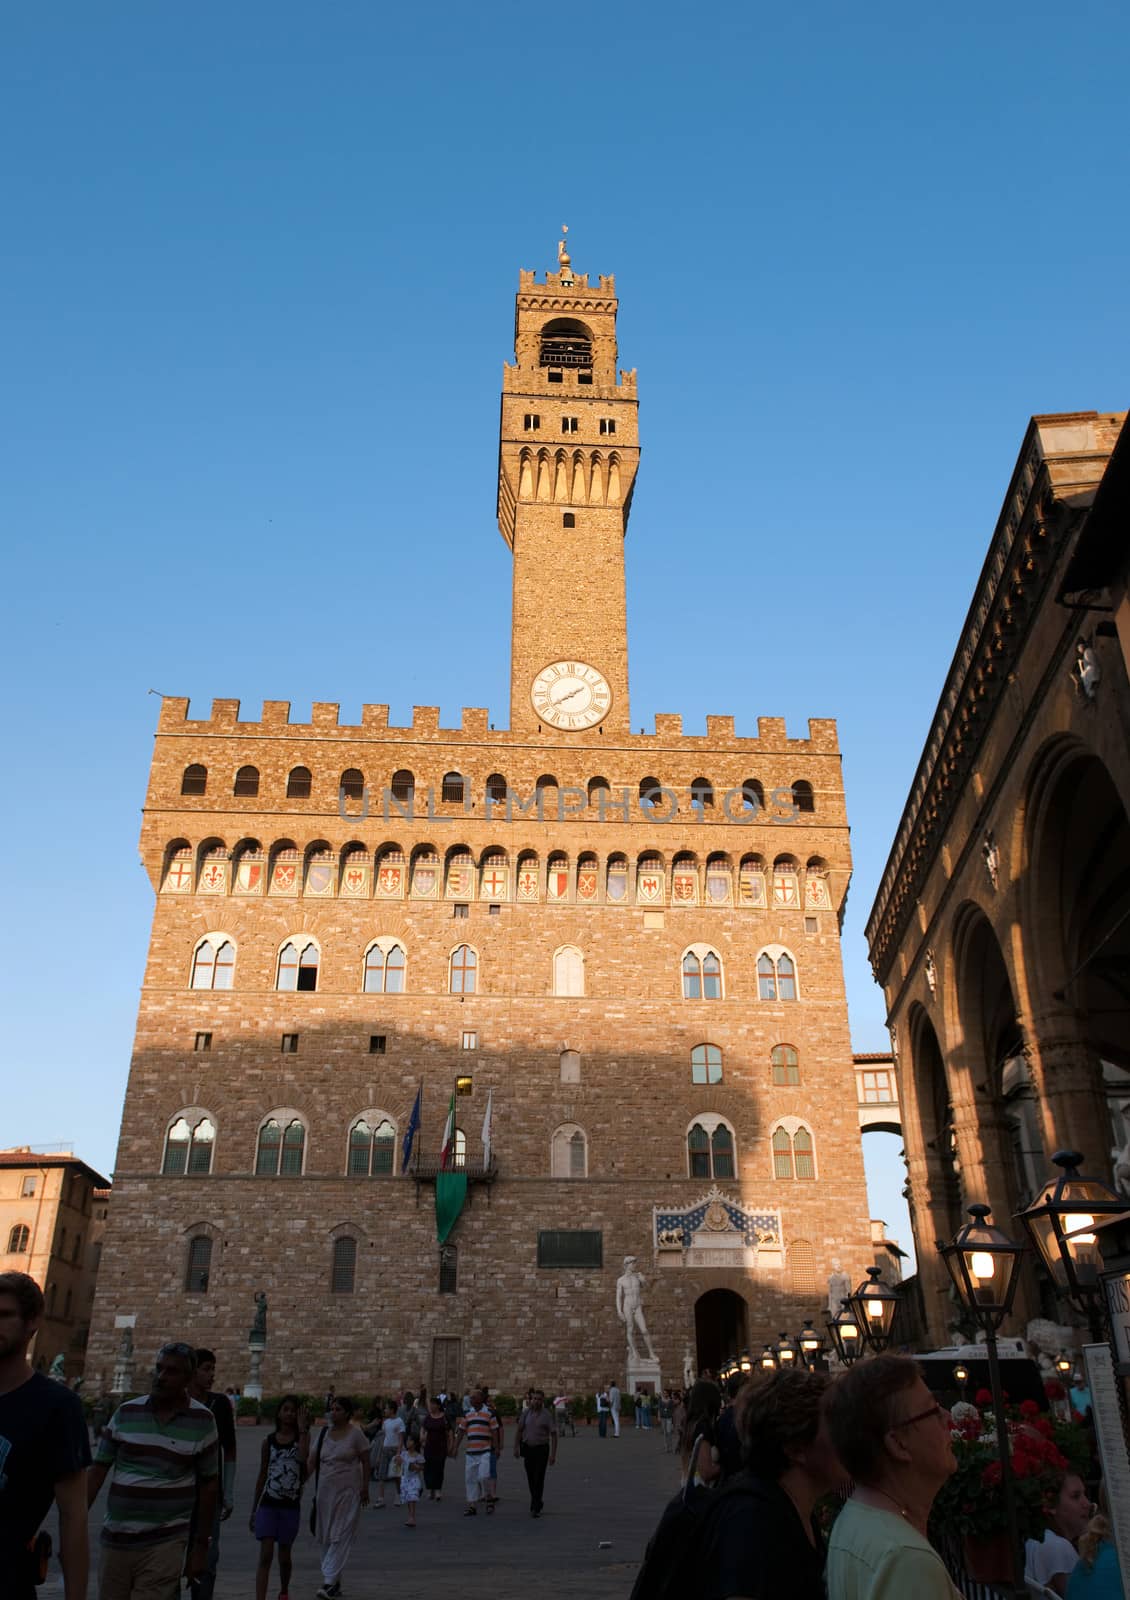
(561, 699)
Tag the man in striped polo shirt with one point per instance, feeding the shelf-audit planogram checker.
(480, 1430)
(165, 1459)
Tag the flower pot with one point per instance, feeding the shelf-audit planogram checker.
(989, 1557)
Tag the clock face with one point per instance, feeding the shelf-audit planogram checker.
(570, 695)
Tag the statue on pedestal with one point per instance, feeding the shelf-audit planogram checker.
(629, 1308)
(688, 1367)
(258, 1333)
(839, 1287)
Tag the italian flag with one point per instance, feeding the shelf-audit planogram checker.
(448, 1148)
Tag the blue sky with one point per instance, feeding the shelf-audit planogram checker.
(258, 273)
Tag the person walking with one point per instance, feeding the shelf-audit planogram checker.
(495, 1449)
(437, 1441)
(161, 1453)
(894, 1440)
(45, 1448)
(341, 1488)
(392, 1433)
(200, 1388)
(535, 1440)
(602, 1413)
(277, 1501)
(667, 1421)
(480, 1431)
(563, 1415)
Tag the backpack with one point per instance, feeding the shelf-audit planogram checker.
(671, 1562)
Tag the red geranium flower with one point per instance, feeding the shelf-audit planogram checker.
(1029, 1408)
(983, 1397)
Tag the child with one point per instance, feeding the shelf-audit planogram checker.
(411, 1482)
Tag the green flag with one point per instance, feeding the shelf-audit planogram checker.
(451, 1191)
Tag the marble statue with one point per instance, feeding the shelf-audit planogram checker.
(125, 1348)
(259, 1326)
(1120, 1157)
(991, 856)
(839, 1287)
(688, 1367)
(931, 974)
(1087, 669)
(629, 1308)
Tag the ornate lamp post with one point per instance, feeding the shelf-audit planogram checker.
(768, 1362)
(984, 1264)
(786, 1353)
(846, 1336)
(875, 1306)
(745, 1363)
(811, 1345)
(1061, 1224)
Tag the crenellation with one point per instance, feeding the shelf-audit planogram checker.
(771, 731)
(475, 722)
(225, 713)
(374, 719)
(719, 728)
(324, 714)
(425, 719)
(276, 714)
(668, 725)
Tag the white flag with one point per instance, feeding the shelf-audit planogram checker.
(486, 1129)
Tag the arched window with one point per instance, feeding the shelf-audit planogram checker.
(298, 966)
(569, 1064)
(343, 1274)
(568, 971)
(372, 1148)
(213, 963)
(459, 1150)
(546, 785)
(569, 1153)
(598, 787)
(702, 794)
(786, 1065)
(464, 970)
(280, 1149)
(794, 1154)
(298, 784)
(403, 786)
(448, 1269)
(753, 795)
(496, 788)
(710, 1148)
(18, 1239)
(650, 793)
(801, 1260)
(194, 780)
(188, 1147)
(776, 976)
(706, 1064)
(453, 790)
(198, 1267)
(246, 781)
(803, 798)
(702, 975)
(384, 969)
(352, 785)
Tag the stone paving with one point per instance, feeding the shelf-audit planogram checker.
(601, 1490)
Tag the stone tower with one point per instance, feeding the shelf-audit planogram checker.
(569, 449)
(627, 944)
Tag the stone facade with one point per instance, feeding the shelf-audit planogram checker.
(52, 1217)
(1001, 931)
(570, 915)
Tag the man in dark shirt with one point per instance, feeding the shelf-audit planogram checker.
(44, 1452)
(200, 1388)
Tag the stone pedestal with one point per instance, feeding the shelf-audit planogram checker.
(640, 1370)
(253, 1388)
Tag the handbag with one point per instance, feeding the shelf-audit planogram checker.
(317, 1474)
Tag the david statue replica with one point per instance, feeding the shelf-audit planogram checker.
(629, 1308)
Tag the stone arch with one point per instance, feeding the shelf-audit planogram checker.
(721, 1328)
(935, 1121)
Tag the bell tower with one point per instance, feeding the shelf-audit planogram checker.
(568, 454)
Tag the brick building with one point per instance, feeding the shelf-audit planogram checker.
(629, 942)
(52, 1217)
(1001, 930)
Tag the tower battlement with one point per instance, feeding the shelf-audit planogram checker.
(568, 282)
(325, 722)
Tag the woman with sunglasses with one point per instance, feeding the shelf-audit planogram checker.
(894, 1439)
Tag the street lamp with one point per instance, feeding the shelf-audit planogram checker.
(984, 1264)
(768, 1362)
(875, 1305)
(1061, 1224)
(811, 1345)
(846, 1338)
(786, 1353)
(961, 1377)
(1064, 1365)
(745, 1363)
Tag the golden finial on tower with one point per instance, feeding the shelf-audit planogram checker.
(562, 252)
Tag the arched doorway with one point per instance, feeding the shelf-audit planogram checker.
(720, 1328)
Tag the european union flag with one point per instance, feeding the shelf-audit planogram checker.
(411, 1131)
